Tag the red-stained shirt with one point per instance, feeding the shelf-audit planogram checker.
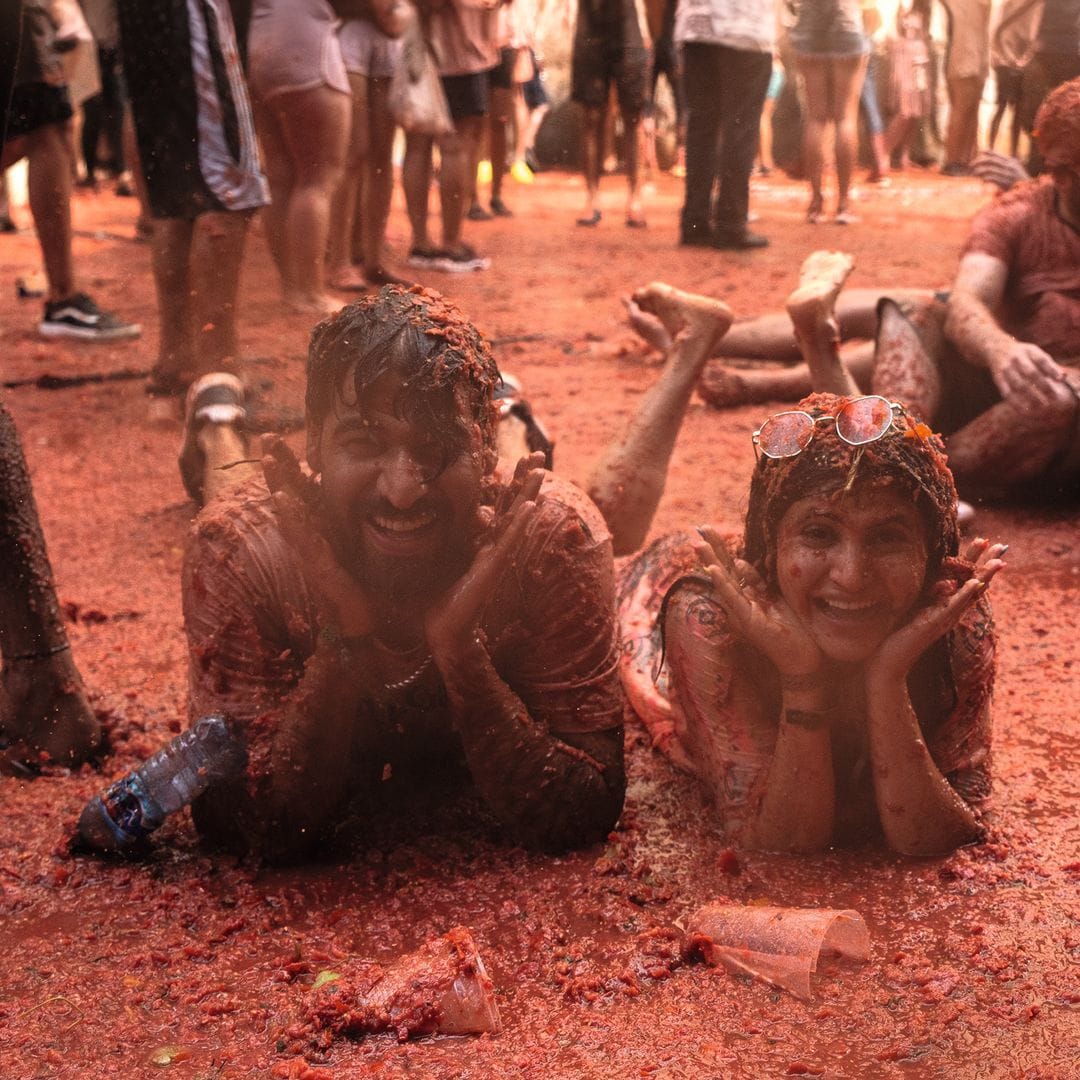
(1042, 293)
(252, 623)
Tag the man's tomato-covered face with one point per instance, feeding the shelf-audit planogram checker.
(402, 502)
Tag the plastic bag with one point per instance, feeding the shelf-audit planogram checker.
(779, 945)
(417, 100)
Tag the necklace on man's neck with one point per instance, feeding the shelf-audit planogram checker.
(402, 684)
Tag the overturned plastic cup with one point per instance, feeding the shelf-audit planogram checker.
(778, 945)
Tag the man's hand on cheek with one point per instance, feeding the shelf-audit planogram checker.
(296, 497)
(451, 625)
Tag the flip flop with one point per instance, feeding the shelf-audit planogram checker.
(591, 220)
(636, 223)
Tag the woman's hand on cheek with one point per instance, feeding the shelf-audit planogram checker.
(767, 623)
(948, 605)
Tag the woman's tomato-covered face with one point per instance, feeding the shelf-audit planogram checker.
(851, 567)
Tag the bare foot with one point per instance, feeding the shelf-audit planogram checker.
(348, 279)
(312, 305)
(648, 327)
(686, 314)
(811, 305)
(722, 388)
(43, 705)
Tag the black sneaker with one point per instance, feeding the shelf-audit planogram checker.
(500, 209)
(424, 258)
(738, 240)
(79, 317)
(477, 213)
(462, 261)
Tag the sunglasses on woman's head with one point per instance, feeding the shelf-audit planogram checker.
(862, 420)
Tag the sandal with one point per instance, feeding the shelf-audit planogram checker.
(217, 398)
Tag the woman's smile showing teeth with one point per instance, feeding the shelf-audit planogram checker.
(848, 609)
(850, 567)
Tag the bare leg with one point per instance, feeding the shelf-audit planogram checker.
(214, 457)
(340, 271)
(279, 175)
(170, 247)
(961, 134)
(847, 83)
(1005, 448)
(905, 368)
(42, 699)
(632, 129)
(502, 109)
(629, 479)
(726, 387)
(814, 75)
(416, 182)
(223, 446)
(216, 258)
(49, 190)
(810, 307)
(592, 138)
(458, 152)
(314, 126)
(378, 186)
(771, 337)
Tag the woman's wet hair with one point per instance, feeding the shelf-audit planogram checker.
(909, 459)
(445, 364)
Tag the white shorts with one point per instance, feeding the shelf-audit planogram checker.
(367, 50)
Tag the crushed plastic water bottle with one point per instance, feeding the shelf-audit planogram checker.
(175, 776)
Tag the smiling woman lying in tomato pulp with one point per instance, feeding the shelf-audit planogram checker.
(831, 676)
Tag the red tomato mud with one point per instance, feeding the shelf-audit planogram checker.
(191, 964)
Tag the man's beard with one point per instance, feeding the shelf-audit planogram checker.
(400, 578)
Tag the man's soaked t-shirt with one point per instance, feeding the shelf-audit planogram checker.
(252, 624)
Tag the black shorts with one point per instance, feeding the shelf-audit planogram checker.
(502, 75)
(534, 90)
(35, 105)
(192, 114)
(468, 95)
(599, 62)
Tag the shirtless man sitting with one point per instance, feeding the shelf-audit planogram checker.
(405, 615)
(992, 365)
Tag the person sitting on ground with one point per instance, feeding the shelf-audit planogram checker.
(44, 711)
(991, 364)
(832, 674)
(405, 618)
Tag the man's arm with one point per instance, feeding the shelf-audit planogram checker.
(1023, 373)
(542, 733)
(289, 673)
(551, 791)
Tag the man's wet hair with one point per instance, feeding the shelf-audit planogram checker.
(445, 364)
(1057, 127)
